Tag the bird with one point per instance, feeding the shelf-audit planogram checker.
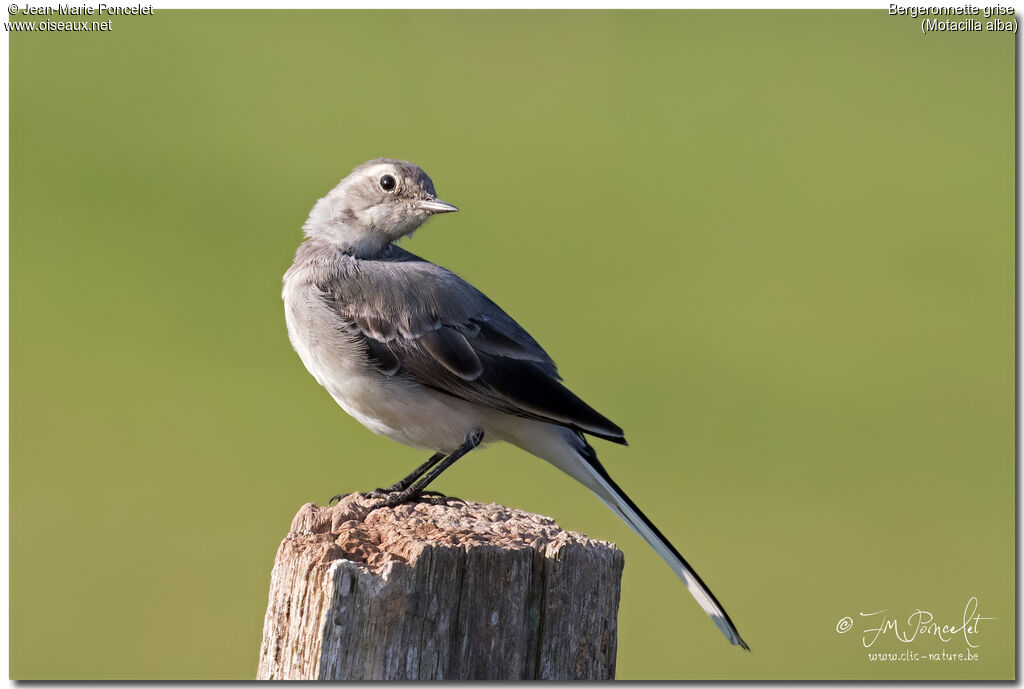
(417, 354)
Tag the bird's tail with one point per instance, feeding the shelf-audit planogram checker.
(590, 473)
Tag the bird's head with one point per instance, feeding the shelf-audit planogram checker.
(381, 201)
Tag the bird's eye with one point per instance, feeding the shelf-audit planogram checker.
(387, 182)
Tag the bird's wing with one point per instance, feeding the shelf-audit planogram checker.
(423, 322)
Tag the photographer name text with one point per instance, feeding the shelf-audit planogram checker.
(82, 10)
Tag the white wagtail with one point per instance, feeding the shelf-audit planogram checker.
(415, 353)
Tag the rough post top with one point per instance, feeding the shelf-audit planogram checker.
(350, 531)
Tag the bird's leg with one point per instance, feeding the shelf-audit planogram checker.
(472, 440)
(408, 480)
(401, 484)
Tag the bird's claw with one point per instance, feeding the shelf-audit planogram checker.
(429, 497)
(390, 501)
(435, 497)
(442, 500)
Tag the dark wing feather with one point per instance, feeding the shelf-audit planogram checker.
(424, 322)
(450, 348)
(382, 357)
(541, 396)
(375, 326)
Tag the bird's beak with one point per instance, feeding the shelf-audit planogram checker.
(433, 205)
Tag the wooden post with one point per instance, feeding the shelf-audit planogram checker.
(456, 591)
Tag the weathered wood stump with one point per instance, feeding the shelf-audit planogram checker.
(456, 591)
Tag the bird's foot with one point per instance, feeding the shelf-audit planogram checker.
(380, 492)
(429, 497)
(396, 495)
(433, 497)
(375, 493)
(387, 492)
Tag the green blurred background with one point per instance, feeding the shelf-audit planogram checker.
(776, 247)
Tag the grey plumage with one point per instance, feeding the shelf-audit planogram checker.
(415, 353)
(440, 331)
